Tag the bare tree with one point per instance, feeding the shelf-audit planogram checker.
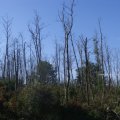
(86, 53)
(102, 60)
(66, 18)
(116, 70)
(57, 60)
(108, 66)
(36, 34)
(7, 27)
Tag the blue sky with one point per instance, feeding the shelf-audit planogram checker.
(86, 16)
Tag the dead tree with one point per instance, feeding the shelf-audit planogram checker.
(16, 62)
(102, 60)
(36, 32)
(80, 51)
(74, 52)
(108, 66)
(57, 60)
(7, 27)
(87, 76)
(97, 54)
(66, 18)
(81, 80)
(116, 71)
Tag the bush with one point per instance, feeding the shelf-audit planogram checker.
(37, 101)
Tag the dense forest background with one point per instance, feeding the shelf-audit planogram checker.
(81, 81)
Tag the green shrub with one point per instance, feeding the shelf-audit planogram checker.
(37, 100)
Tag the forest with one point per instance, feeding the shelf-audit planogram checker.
(81, 82)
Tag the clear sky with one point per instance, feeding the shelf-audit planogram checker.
(86, 16)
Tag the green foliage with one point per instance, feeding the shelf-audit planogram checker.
(9, 85)
(46, 73)
(93, 73)
(37, 100)
(117, 109)
(46, 102)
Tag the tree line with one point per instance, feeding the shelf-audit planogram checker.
(84, 70)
